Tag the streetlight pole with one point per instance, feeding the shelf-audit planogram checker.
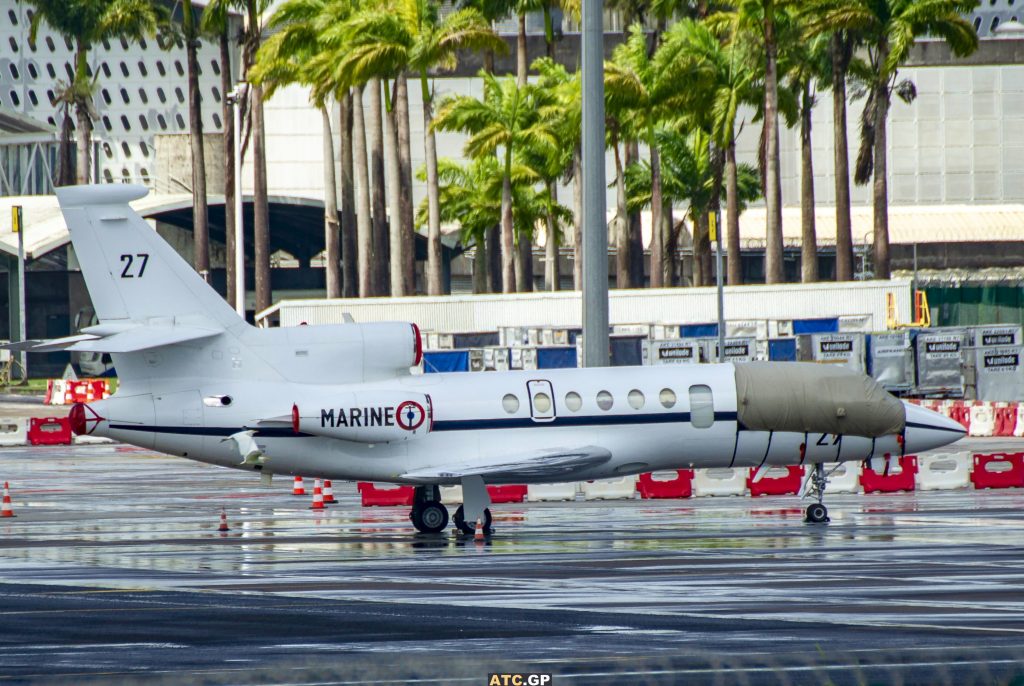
(236, 98)
(595, 221)
(716, 224)
(18, 224)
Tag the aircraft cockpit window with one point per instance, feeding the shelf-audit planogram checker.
(541, 402)
(702, 407)
(636, 399)
(511, 403)
(573, 401)
(667, 398)
(605, 400)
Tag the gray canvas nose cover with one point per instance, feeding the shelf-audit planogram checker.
(815, 398)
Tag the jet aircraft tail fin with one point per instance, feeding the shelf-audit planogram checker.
(133, 275)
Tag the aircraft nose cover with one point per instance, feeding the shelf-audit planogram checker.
(815, 398)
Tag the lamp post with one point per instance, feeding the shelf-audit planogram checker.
(235, 98)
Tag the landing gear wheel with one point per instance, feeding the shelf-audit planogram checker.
(430, 517)
(817, 513)
(469, 528)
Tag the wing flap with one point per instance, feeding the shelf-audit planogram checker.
(554, 465)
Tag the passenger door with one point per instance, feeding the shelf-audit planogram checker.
(542, 400)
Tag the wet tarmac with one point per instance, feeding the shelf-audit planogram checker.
(113, 571)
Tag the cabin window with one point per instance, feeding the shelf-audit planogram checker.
(635, 399)
(605, 400)
(702, 407)
(511, 403)
(542, 403)
(573, 401)
(667, 398)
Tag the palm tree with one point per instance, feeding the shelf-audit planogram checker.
(505, 118)
(86, 22)
(410, 35)
(200, 215)
(889, 29)
(287, 58)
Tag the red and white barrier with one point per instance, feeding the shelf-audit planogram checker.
(982, 419)
(623, 488)
(719, 482)
(384, 495)
(673, 484)
(13, 431)
(49, 431)
(998, 470)
(944, 471)
(776, 481)
(1018, 429)
(879, 482)
(64, 392)
(550, 492)
(510, 493)
(843, 477)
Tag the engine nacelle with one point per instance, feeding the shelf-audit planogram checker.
(366, 416)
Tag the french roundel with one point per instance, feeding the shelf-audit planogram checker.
(410, 415)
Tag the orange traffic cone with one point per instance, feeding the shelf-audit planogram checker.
(318, 497)
(6, 511)
(223, 521)
(479, 534)
(298, 488)
(328, 492)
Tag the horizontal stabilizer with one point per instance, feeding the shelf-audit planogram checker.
(140, 337)
(540, 465)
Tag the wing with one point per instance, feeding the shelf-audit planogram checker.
(558, 464)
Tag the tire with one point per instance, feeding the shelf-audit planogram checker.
(430, 518)
(469, 528)
(817, 513)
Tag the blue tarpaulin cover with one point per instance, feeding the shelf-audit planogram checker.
(556, 358)
(446, 361)
(828, 325)
(698, 330)
(782, 350)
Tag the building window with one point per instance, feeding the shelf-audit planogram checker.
(667, 398)
(702, 406)
(144, 122)
(142, 68)
(33, 98)
(32, 71)
(511, 403)
(14, 71)
(160, 94)
(14, 47)
(181, 120)
(160, 68)
(51, 71)
(69, 70)
(144, 148)
(50, 45)
(126, 150)
(125, 124)
(106, 123)
(68, 43)
(106, 95)
(124, 69)
(216, 121)
(161, 122)
(216, 67)
(143, 97)
(124, 96)
(15, 99)
(124, 43)
(107, 176)
(178, 68)
(216, 94)
(108, 151)
(106, 69)
(13, 17)
(179, 95)
(605, 400)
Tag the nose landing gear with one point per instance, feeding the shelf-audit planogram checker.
(817, 513)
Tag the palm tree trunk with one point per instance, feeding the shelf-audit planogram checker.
(508, 270)
(880, 188)
(362, 177)
(349, 275)
(668, 253)
(200, 215)
(577, 218)
(657, 232)
(636, 235)
(732, 211)
(622, 262)
(434, 275)
(481, 280)
(701, 245)
(394, 170)
(228, 146)
(808, 234)
(332, 238)
(552, 273)
(844, 224)
(773, 177)
(408, 234)
(525, 261)
(495, 260)
(261, 214)
(65, 158)
(83, 119)
(381, 238)
(522, 58)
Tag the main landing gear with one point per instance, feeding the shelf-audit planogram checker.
(428, 514)
(817, 513)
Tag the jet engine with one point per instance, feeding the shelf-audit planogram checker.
(365, 416)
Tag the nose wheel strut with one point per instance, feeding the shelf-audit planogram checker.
(817, 513)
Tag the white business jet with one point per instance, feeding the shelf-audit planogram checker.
(341, 401)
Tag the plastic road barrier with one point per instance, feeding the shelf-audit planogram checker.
(669, 484)
(49, 431)
(776, 481)
(879, 482)
(452, 495)
(718, 482)
(63, 392)
(539, 492)
(13, 431)
(1006, 418)
(958, 412)
(843, 477)
(943, 471)
(385, 494)
(623, 488)
(998, 470)
(983, 420)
